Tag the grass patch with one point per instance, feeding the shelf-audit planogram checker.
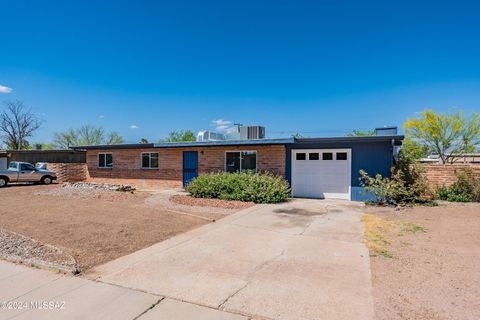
(413, 228)
(378, 230)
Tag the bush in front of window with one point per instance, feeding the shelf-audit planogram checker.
(241, 186)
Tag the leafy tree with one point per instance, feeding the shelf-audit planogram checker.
(412, 150)
(42, 146)
(179, 136)
(17, 124)
(84, 136)
(471, 133)
(359, 133)
(144, 141)
(446, 135)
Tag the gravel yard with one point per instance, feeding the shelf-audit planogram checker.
(432, 274)
(18, 248)
(91, 225)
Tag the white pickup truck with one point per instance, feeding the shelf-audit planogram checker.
(25, 172)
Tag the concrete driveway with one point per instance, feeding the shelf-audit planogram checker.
(301, 260)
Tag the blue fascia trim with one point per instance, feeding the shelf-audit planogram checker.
(397, 139)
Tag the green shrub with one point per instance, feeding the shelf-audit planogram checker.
(442, 193)
(465, 189)
(407, 185)
(255, 187)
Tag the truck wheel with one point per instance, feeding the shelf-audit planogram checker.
(3, 182)
(46, 180)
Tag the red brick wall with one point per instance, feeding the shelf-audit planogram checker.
(439, 174)
(127, 163)
(69, 172)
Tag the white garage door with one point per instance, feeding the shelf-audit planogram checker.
(321, 173)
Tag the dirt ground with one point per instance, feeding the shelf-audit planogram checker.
(433, 273)
(93, 228)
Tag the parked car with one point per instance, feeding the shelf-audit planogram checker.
(25, 172)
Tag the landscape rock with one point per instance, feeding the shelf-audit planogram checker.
(19, 248)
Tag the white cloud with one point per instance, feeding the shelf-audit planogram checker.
(101, 116)
(4, 89)
(222, 125)
(133, 126)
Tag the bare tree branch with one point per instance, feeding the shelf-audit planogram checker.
(86, 135)
(17, 123)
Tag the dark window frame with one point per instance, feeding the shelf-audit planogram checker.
(316, 155)
(241, 154)
(150, 167)
(324, 154)
(105, 164)
(301, 153)
(343, 153)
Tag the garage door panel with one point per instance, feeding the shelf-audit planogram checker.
(321, 178)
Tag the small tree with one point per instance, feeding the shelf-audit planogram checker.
(298, 135)
(17, 124)
(179, 136)
(360, 133)
(84, 136)
(143, 141)
(412, 150)
(471, 133)
(445, 135)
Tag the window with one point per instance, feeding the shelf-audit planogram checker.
(26, 167)
(105, 160)
(301, 156)
(240, 161)
(313, 156)
(13, 165)
(150, 160)
(327, 156)
(341, 156)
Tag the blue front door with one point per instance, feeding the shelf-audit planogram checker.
(190, 166)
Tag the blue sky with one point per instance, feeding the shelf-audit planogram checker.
(144, 68)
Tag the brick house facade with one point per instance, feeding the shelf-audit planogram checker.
(127, 162)
(314, 167)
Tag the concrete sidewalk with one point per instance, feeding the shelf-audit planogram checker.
(305, 259)
(24, 290)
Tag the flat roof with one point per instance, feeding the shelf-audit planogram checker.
(186, 144)
(396, 138)
(224, 143)
(252, 142)
(40, 151)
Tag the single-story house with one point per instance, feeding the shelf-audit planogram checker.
(314, 167)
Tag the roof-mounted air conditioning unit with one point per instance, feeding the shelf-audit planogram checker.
(209, 136)
(252, 132)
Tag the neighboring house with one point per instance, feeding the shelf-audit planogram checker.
(466, 158)
(3, 160)
(50, 156)
(315, 167)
